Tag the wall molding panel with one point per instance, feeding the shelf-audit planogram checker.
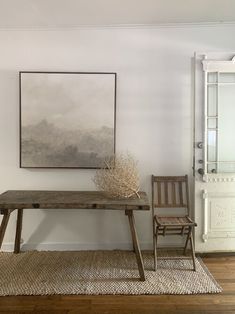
(219, 215)
(220, 177)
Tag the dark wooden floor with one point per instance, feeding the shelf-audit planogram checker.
(223, 269)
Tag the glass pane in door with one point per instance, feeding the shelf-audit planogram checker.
(226, 124)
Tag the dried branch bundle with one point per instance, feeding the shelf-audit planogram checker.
(120, 178)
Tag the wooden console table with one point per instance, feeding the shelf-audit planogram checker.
(20, 200)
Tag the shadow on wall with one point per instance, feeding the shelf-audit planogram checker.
(86, 227)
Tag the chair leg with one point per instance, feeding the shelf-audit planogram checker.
(192, 249)
(186, 243)
(155, 248)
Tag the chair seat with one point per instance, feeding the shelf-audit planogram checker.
(174, 221)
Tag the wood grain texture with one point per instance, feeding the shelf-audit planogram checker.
(70, 199)
(222, 268)
(3, 227)
(172, 188)
(18, 230)
(136, 245)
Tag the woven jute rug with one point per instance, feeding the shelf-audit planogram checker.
(99, 272)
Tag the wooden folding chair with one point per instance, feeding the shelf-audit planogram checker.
(172, 193)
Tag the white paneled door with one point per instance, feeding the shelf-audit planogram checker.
(214, 152)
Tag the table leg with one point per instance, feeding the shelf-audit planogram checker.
(3, 227)
(135, 241)
(18, 230)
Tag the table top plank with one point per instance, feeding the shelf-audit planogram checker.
(16, 199)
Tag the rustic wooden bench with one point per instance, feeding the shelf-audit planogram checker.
(21, 199)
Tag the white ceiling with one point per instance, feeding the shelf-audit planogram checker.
(79, 13)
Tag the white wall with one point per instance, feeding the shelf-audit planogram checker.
(154, 118)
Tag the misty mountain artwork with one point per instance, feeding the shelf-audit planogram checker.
(67, 119)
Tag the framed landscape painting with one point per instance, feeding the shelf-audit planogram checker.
(67, 119)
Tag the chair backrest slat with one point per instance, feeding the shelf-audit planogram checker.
(159, 193)
(173, 193)
(170, 192)
(166, 192)
(180, 194)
